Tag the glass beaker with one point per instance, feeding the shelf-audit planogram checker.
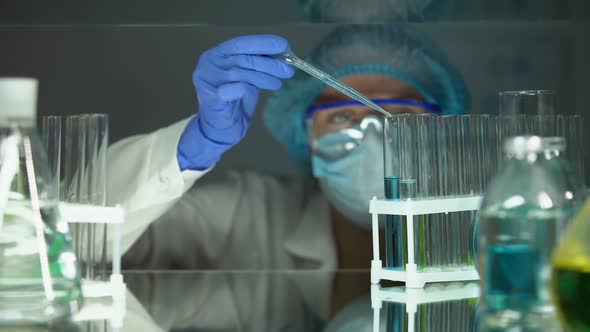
(39, 277)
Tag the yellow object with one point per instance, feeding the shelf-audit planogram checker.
(570, 282)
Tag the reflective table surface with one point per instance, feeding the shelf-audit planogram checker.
(284, 301)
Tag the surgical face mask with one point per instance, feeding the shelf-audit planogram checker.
(349, 167)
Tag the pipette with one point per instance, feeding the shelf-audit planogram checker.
(290, 58)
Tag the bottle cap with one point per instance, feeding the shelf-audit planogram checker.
(533, 144)
(554, 143)
(18, 97)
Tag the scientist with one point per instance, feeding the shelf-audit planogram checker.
(257, 221)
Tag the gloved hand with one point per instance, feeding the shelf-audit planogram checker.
(228, 79)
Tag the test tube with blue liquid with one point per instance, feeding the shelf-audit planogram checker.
(394, 228)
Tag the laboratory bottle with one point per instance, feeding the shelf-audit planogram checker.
(570, 280)
(39, 275)
(523, 215)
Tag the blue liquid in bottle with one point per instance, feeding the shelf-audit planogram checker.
(512, 277)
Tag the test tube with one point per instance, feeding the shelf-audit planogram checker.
(394, 229)
(444, 163)
(572, 128)
(408, 157)
(465, 188)
(484, 162)
(504, 124)
(86, 140)
(408, 183)
(75, 157)
(528, 124)
(579, 145)
(51, 136)
(455, 170)
(543, 125)
(492, 146)
(426, 150)
(439, 257)
(391, 163)
(562, 124)
(426, 145)
(479, 166)
(477, 151)
(97, 145)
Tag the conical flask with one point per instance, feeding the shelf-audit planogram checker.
(39, 276)
(570, 281)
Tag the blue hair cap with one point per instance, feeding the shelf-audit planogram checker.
(374, 11)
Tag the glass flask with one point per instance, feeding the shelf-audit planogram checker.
(523, 215)
(39, 276)
(570, 281)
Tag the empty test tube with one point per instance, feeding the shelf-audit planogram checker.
(465, 188)
(453, 185)
(571, 127)
(408, 156)
(442, 258)
(427, 167)
(408, 180)
(51, 129)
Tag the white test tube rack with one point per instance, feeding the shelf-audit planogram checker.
(115, 287)
(412, 277)
(413, 297)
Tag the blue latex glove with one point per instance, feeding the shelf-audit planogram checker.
(228, 79)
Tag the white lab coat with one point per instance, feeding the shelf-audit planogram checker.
(247, 221)
(286, 301)
(212, 301)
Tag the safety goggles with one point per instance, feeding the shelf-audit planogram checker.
(332, 117)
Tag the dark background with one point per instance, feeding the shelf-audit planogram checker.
(134, 60)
